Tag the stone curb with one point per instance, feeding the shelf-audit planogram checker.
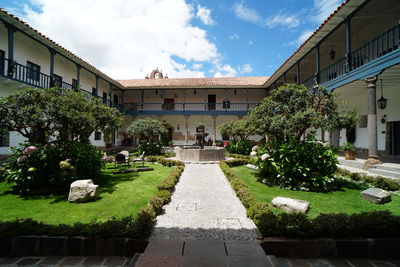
(70, 246)
(378, 248)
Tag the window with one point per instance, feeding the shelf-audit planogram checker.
(33, 71)
(97, 135)
(226, 104)
(2, 62)
(5, 140)
(94, 92)
(74, 84)
(115, 99)
(57, 80)
(104, 98)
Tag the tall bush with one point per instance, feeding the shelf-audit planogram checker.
(242, 147)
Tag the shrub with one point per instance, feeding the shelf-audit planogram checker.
(52, 166)
(297, 165)
(242, 147)
(381, 182)
(151, 147)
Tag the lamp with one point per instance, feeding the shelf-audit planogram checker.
(332, 54)
(382, 102)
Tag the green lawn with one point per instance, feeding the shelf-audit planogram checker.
(346, 201)
(120, 196)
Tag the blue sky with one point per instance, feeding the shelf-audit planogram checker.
(192, 38)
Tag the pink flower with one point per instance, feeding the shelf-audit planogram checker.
(29, 150)
(106, 158)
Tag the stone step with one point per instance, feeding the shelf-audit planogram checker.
(352, 163)
(204, 253)
(385, 173)
(388, 167)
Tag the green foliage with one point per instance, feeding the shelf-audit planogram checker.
(39, 114)
(242, 147)
(147, 129)
(297, 165)
(292, 109)
(52, 166)
(348, 147)
(150, 147)
(296, 225)
(380, 182)
(236, 130)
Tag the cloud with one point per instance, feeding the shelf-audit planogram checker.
(302, 38)
(289, 21)
(246, 68)
(250, 42)
(234, 37)
(128, 38)
(204, 14)
(323, 8)
(242, 12)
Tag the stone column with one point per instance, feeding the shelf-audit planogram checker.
(335, 138)
(372, 125)
(214, 129)
(187, 130)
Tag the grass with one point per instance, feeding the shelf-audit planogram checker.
(346, 201)
(120, 196)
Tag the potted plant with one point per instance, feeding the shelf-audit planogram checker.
(171, 143)
(349, 151)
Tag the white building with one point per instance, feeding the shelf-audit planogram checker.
(355, 53)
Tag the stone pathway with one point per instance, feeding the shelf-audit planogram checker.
(204, 206)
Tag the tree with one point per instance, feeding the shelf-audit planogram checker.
(292, 109)
(237, 130)
(38, 114)
(147, 129)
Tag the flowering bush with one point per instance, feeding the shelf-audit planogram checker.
(106, 159)
(298, 165)
(52, 166)
(151, 147)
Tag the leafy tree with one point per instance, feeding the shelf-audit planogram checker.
(38, 114)
(237, 130)
(147, 129)
(292, 108)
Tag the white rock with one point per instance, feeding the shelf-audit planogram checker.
(83, 191)
(291, 205)
(251, 166)
(376, 195)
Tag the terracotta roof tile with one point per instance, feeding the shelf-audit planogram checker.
(195, 82)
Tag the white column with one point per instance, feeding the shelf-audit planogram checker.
(214, 129)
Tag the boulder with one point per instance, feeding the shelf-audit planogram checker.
(290, 204)
(376, 195)
(251, 166)
(83, 191)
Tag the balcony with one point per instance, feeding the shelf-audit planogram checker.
(239, 109)
(378, 48)
(17, 72)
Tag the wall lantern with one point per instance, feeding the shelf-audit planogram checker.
(332, 54)
(382, 102)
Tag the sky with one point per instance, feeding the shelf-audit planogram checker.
(127, 39)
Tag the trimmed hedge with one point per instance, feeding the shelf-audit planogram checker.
(134, 227)
(297, 225)
(164, 161)
(381, 182)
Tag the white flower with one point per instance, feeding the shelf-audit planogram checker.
(253, 153)
(264, 157)
(255, 148)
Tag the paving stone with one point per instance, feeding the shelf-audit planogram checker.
(245, 250)
(28, 261)
(94, 260)
(50, 261)
(204, 249)
(204, 262)
(359, 263)
(72, 261)
(115, 261)
(12, 260)
(299, 262)
(339, 262)
(186, 207)
(382, 263)
(283, 262)
(156, 261)
(165, 247)
(248, 262)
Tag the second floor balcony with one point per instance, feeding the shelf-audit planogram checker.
(224, 108)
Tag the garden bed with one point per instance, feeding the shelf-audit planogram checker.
(346, 200)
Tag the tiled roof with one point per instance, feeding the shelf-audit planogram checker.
(58, 45)
(223, 82)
